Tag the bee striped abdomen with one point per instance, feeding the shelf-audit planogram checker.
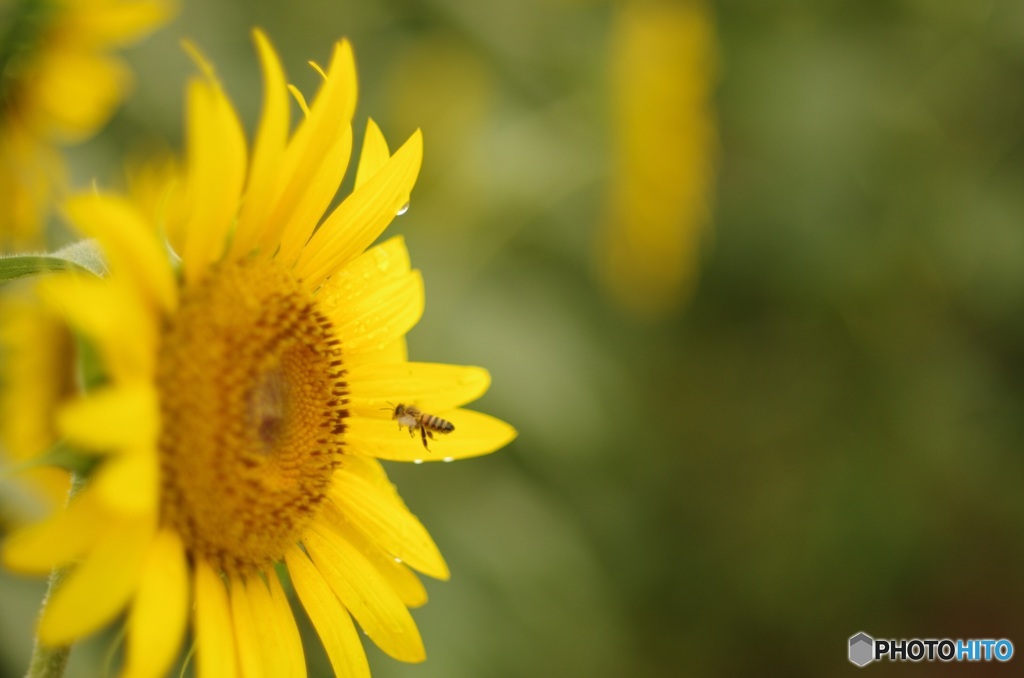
(437, 424)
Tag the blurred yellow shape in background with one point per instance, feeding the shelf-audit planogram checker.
(36, 374)
(59, 84)
(664, 148)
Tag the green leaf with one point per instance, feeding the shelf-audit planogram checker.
(91, 374)
(61, 455)
(86, 254)
(83, 256)
(19, 266)
(68, 458)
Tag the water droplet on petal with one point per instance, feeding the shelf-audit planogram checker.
(383, 261)
(417, 461)
(397, 559)
(403, 209)
(448, 460)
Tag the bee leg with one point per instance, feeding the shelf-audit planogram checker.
(430, 434)
(423, 434)
(412, 431)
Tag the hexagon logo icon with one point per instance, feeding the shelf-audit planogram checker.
(862, 649)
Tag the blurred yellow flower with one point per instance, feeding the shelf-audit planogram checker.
(248, 399)
(664, 147)
(36, 375)
(59, 83)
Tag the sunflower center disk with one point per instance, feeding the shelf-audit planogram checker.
(253, 402)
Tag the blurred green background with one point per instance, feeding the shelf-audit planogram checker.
(827, 438)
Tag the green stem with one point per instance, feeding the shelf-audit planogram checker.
(47, 661)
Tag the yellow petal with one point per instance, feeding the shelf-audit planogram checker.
(404, 580)
(332, 108)
(282, 647)
(369, 598)
(247, 637)
(346, 290)
(160, 609)
(119, 23)
(60, 539)
(371, 470)
(379, 315)
(37, 373)
(112, 418)
(374, 154)
(213, 627)
(398, 576)
(363, 215)
(129, 243)
(268, 150)
(322, 187)
(431, 387)
(154, 187)
(383, 263)
(112, 315)
(395, 352)
(330, 618)
(387, 523)
(98, 588)
(215, 170)
(474, 434)
(129, 483)
(299, 99)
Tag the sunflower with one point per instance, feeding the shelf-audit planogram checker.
(253, 353)
(59, 83)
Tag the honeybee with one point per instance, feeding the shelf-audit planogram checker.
(428, 424)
